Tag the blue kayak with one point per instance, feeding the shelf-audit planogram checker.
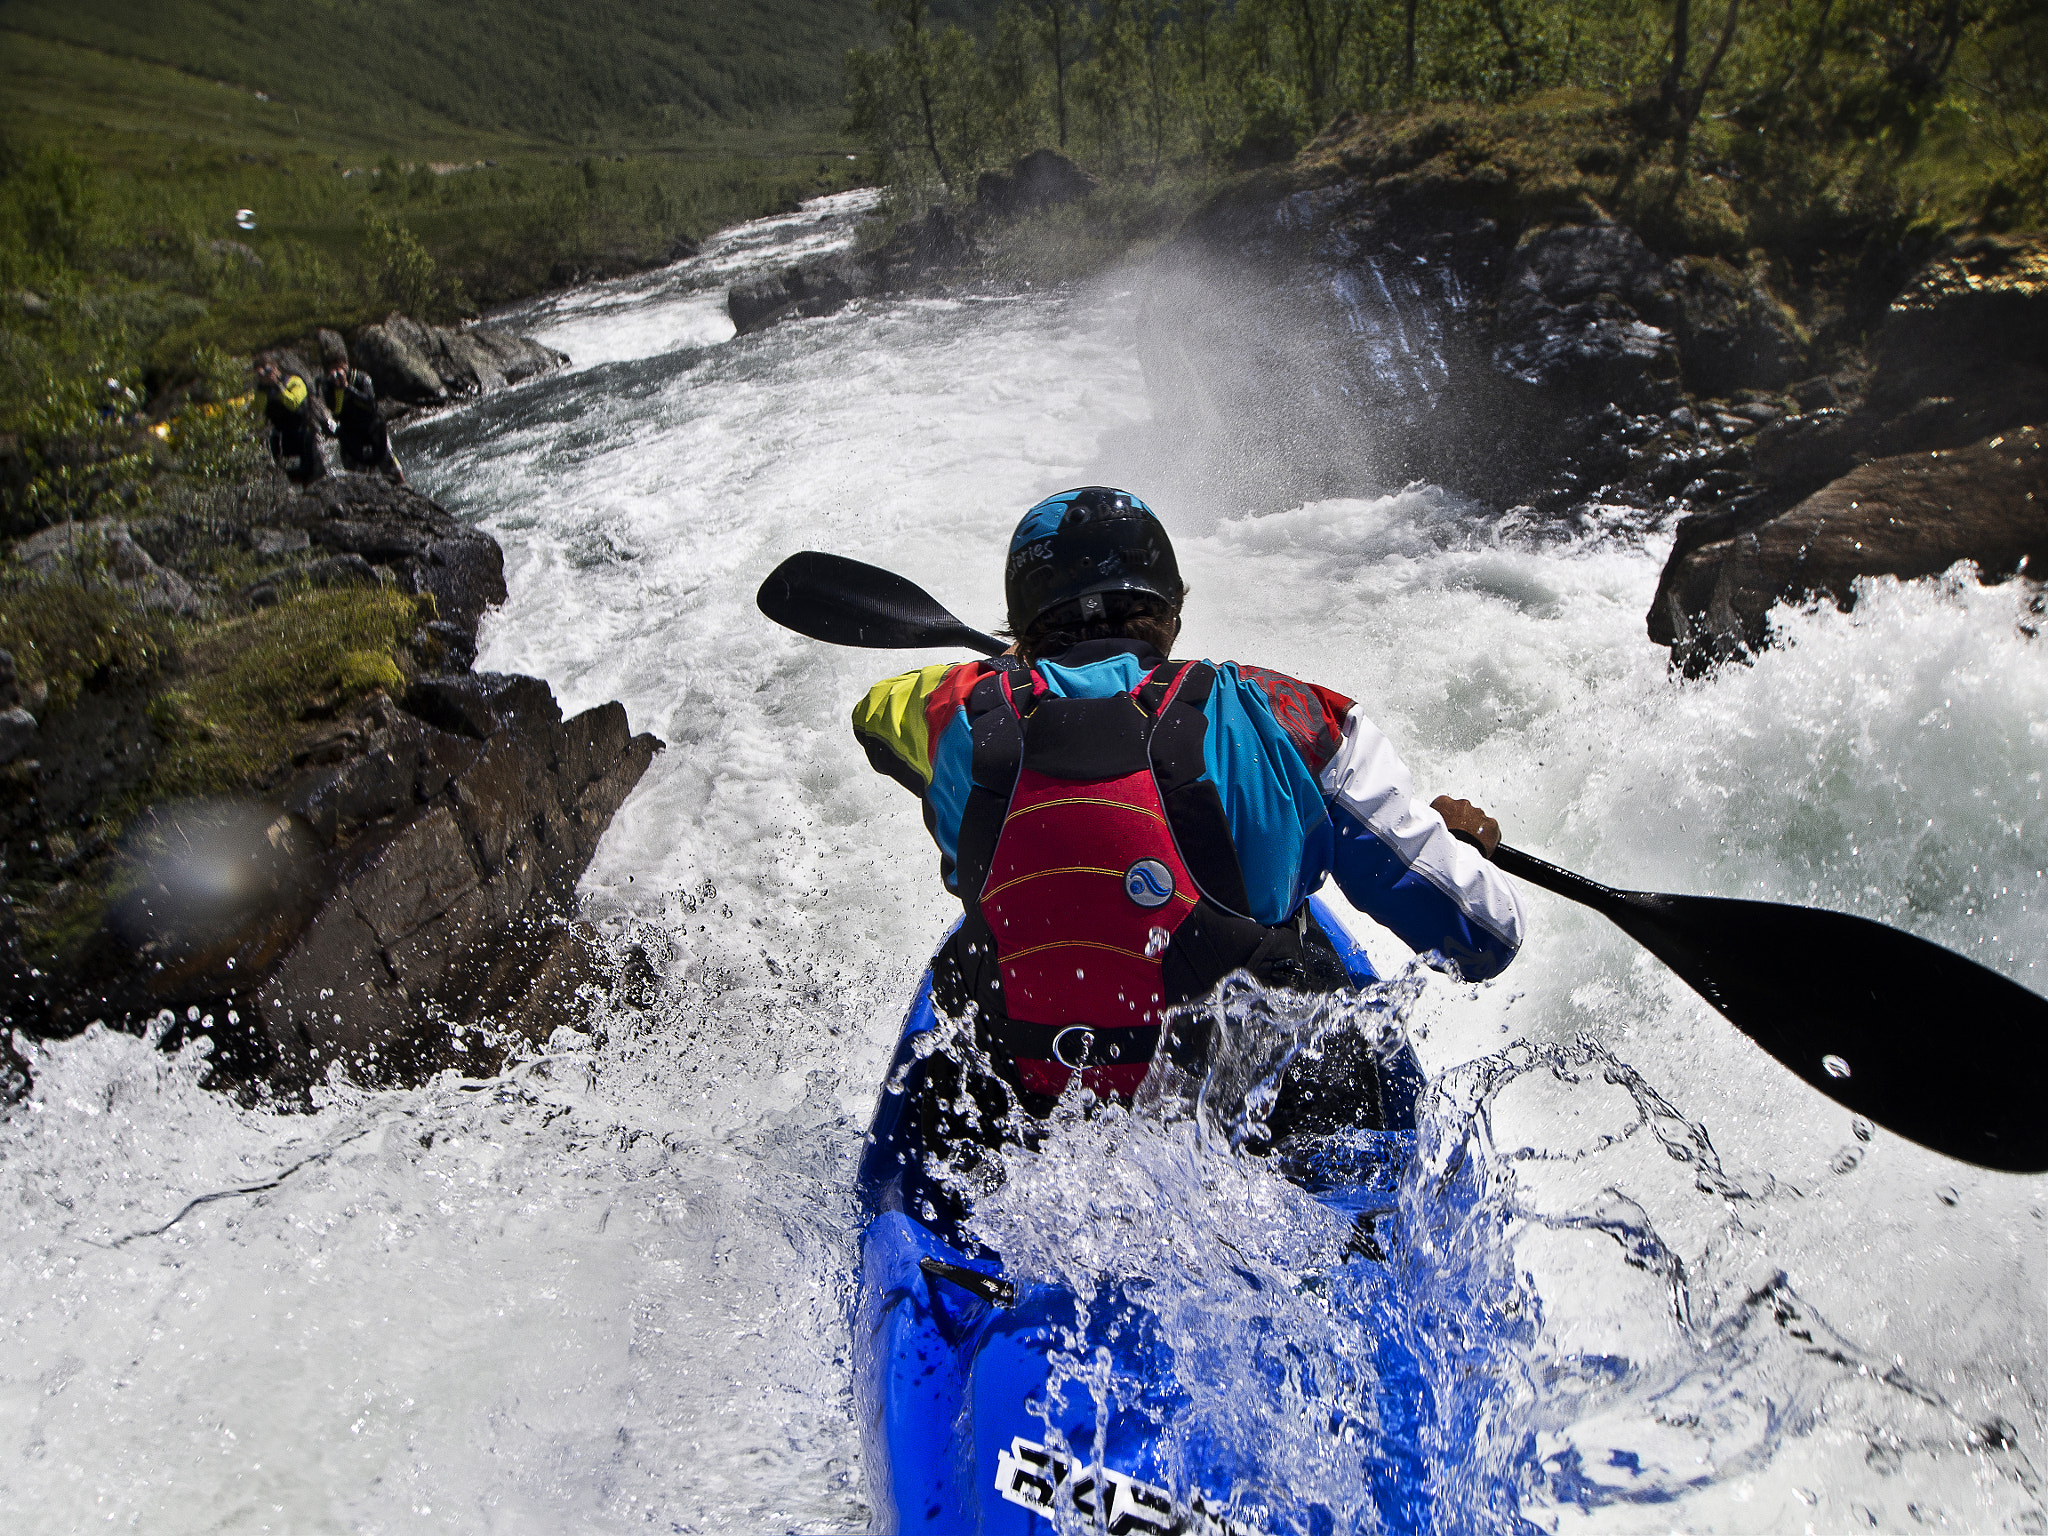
(953, 1359)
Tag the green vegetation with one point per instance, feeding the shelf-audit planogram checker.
(254, 687)
(1120, 220)
(64, 635)
(435, 159)
(1806, 113)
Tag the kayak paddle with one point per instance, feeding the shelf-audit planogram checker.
(831, 598)
(1914, 1037)
(1867, 1014)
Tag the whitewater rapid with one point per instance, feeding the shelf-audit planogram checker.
(607, 1291)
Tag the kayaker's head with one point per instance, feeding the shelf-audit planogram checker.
(1091, 564)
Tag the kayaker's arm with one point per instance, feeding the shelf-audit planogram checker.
(900, 720)
(1398, 862)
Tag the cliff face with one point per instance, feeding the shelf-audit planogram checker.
(1477, 301)
(296, 819)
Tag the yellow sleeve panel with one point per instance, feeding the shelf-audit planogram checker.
(893, 714)
(294, 391)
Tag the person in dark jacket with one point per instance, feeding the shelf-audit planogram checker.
(360, 430)
(290, 408)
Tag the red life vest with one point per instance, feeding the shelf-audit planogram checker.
(1100, 883)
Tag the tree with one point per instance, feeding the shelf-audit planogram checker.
(1061, 26)
(1682, 105)
(921, 102)
(1318, 31)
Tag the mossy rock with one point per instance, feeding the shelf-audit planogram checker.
(255, 687)
(63, 636)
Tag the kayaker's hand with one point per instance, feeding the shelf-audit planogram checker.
(1464, 816)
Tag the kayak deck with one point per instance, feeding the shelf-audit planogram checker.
(966, 1385)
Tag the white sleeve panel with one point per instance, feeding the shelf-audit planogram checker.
(1367, 779)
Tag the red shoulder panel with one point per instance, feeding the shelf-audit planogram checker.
(950, 697)
(1312, 717)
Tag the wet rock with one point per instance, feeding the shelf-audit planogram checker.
(1907, 516)
(105, 549)
(1043, 179)
(392, 525)
(450, 643)
(809, 289)
(458, 908)
(1816, 394)
(1733, 332)
(456, 704)
(426, 364)
(1971, 326)
(1572, 314)
(17, 732)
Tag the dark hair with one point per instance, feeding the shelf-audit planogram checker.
(1126, 616)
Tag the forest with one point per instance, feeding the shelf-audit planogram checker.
(1927, 110)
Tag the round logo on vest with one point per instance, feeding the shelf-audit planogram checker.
(1149, 883)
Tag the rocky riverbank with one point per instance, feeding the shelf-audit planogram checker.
(1508, 303)
(254, 791)
(1495, 308)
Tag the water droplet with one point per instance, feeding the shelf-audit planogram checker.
(1950, 1197)
(1861, 1128)
(1834, 1066)
(1079, 974)
(1156, 942)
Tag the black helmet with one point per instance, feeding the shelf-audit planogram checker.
(1082, 544)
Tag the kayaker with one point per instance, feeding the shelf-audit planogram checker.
(1124, 831)
(289, 407)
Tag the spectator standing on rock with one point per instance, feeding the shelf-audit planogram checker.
(289, 407)
(365, 442)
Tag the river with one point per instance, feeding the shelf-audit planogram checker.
(607, 1291)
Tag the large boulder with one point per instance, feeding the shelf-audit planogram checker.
(397, 367)
(1908, 516)
(1588, 307)
(424, 547)
(821, 286)
(426, 364)
(1969, 328)
(407, 883)
(104, 549)
(1958, 357)
(1043, 179)
(460, 910)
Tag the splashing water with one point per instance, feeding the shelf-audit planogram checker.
(1639, 1275)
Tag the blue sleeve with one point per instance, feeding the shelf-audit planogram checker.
(1273, 804)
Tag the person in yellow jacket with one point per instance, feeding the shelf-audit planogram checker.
(289, 406)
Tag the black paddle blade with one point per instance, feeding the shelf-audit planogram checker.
(844, 602)
(1907, 1034)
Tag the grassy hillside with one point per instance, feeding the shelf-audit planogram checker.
(566, 70)
(590, 73)
(434, 157)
